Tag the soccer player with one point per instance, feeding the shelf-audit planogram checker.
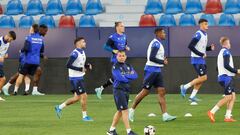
(198, 47)
(4, 45)
(116, 42)
(33, 47)
(226, 71)
(42, 31)
(76, 69)
(122, 73)
(153, 75)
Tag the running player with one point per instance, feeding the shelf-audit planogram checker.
(76, 69)
(226, 71)
(4, 45)
(153, 75)
(116, 42)
(198, 47)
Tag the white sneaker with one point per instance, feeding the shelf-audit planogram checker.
(131, 114)
(37, 93)
(1, 99)
(5, 91)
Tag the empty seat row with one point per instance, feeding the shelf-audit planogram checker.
(64, 22)
(186, 20)
(54, 7)
(192, 7)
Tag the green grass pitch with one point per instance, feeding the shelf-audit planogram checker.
(34, 115)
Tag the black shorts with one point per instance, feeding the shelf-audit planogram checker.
(77, 86)
(28, 69)
(121, 99)
(1, 72)
(201, 69)
(20, 66)
(152, 79)
(228, 86)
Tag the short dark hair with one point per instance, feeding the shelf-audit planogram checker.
(35, 28)
(116, 24)
(78, 39)
(12, 34)
(202, 20)
(158, 30)
(43, 26)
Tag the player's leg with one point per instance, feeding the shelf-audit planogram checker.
(83, 101)
(162, 102)
(226, 99)
(193, 97)
(9, 83)
(149, 78)
(27, 81)
(18, 83)
(66, 103)
(36, 80)
(126, 122)
(101, 88)
(201, 70)
(2, 82)
(116, 118)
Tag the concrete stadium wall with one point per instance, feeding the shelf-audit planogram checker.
(179, 70)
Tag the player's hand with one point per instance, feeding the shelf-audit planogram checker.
(205, 55)
(238, 71)
(212, 47)
(2, 59)
(6, 56)
(132, 72)
(45, 58)
(84, 70)
(165, 61)
(127, 48)
(90, 66)
(115, 51)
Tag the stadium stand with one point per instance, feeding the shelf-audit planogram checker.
(153, 7)
(26, 22)
(66, 22)
(87, 21)
(73, 7)
(34, 7)
(7, 22)
(147, 20)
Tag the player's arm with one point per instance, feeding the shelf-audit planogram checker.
(42, 51)
(133, 74)
(109, 46)
(210, 47)
(71, 60)
(27, 46)
(153, 53)
(193, 43)
(88, 66)
(226, 58)
(117, 75)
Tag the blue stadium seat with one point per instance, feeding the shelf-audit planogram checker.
(227, 20)
(153, 7)
(193, 7)
(7, 22)
(173, 7)
(47, 20)
(73, 7)
(232, 7)
(167, 20)
(34, 7)
(87, 21)
(210, 18)
(94, 7)
(26, 22)
(14, 7)
(54, 7)
(187, 20)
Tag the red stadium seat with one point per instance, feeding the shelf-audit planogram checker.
(213, 7)
(66, 22)
(1, 10)
(147, 20)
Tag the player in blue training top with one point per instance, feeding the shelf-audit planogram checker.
(122, 73)
(116, 42)
(198, 47)
(153, 75)
(33, 47)
(42, 31)
(76, 70)
(226, 71)
(4, 45)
